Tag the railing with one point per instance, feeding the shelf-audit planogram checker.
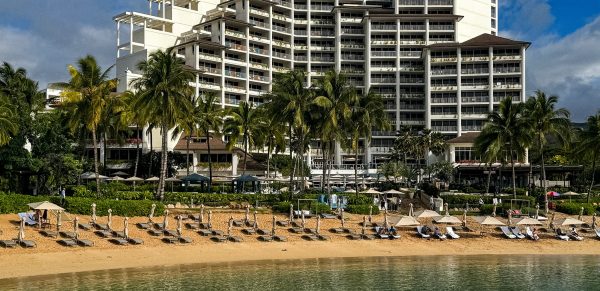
(412, 42)
(444, 128)
(412, 95)
(281, 17)
(443, 87)
(258, 23)
(507, 86)
(352, 71)
(300, 32)
(351, 19)
(259, 12)
(443, 100)
(281, 69)
(259, 78)
(283, 3)
(300, 58)
(411, 2)
(321, 7)
(258, 38)
(388, 42)
(235, 88)
(476, 112)
(479, 99)
(259, 65)
(301, 21)
(322, 48)
(383, 80)
(412, 27)
(210, 70)
(472, 128)
(235, 74)
(232, 101)
(412, 107)
(410, 54)
(412, 80)
(235, 33)
(476, 85)
(353, 57)
(383, 53)
(282, 43)
(321, 21)
(475, 71)
(387, 95)
(301, 6)
(281, 28)
(383, 27)
(352, 31)
(351, 45)
(443, 72)
(236, 46)
(516, 98)
(258, 50)
(441, 27)
(322, 59)
(322, 33)
(442, 2)
(506, 70)
(281, 55)
(482, 58)
(507, 57)
(442, 60)
(209, 57)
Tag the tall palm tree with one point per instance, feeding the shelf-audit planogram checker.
(8, 124)
(135, 117)
(506, 127)
(86, 99)
(210, 119)
(244, 122)
(589, 139)
(290, 102)
(334, 99)
(545, 120)
(272, 135)
(165, 97)
(367, 113)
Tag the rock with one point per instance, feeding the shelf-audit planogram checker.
(177, 205)
(170, 206)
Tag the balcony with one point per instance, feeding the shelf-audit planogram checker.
(209, 85)
(383, 69)
(508, 86)
(259, 78)
(441, 2)
(507, 58)
(443, 88)
(352, 57)
(238, 47)
(478, 99)
(352, 46)
(383, 27)
(323, 59)
(322, 48)
(281, 29)
(412, 80)
(444, 100)
(235, 34)
(412, 106)
(444, 115)
(475, 86)
(351, 19)
(444, 60)
(443, 72)
(476, 59)
(235, 74)
(259, 66)
(352, 70)
(322, 33)
(383, 54)
(472, 128)
(300, 6)
(352, 31)
(411, 69)
(441, 27)
(259, 12)
(209, 57)
(282, 43)
(233, 88)
(300, 21)
(410, 54)
(412, 27)
(281, 69)
(444, 128)
(507, 70)
(387, 95)
(258, 38)
(411, 2)
(281, 17)
(230, 101)
(321, 21)
(259, 51)
(384, 42)
(383, 80)
(412, 95)
(210, 70)
(301, 58)
(258, 23)
(475, 71)
(412, 42)
(326, 8)
(281, 55)
(283, 3)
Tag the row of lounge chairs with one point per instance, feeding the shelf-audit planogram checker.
(439, 235)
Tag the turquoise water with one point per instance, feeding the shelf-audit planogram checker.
(411, 273)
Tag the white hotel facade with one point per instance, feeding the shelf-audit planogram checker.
(437, 63)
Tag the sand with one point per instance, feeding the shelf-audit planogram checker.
(51, 258)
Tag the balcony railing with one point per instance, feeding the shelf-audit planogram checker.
(507, 86)
(411, 2)
(322, 59)
(353, 57)
(352, 31)
(321, 7)
(475, 71)
(478, 99)
(258, 51)
(258, 23)
(483, 58)
(301, 58)
(412, 95)
(383, 80)
(443, 60)
(410, 54)
(259, 78)
(383, 27)
(281, 55)
(235, 74)
(412, 27)
(259, 12)
(322, 33)
(281, 28)
(352, 45)
(236, 46)
(283, 3)
(259, 65)
(443, 100)
(443, 72)
(210, 70)
(506, 70)
(300, 32)
(301, 6)
(383, 53)
(444, 128)
(321, 21)
(235, 33)
(472, 128)
(282, 43)
(441, 27)
(351, 19)
(441, 2)
(209, 57)
(412, 80)
(412, 107)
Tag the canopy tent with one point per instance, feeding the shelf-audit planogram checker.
(195, 178)
(239, 183)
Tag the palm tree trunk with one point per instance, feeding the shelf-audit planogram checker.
(291, 160)
(489, 178)
(96, 171)
(544, 176)
(151, 155)
(593, 174)
(356, 168)
(137, 152)
(187, 155)
(324, 158)
(245, 154)
(210, 173)
(269, 161)
(163, 166)
(514, 178)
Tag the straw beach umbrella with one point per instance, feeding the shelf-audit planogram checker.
(166, 220)
(152, 209)
(210, 219)
(58, 220)
(527, 221)
(426, 214)
(21, 236)
(488, 220)
(94, 217)
(464, 218)
(126, 227)
(201, 213)
(255, 220)
(342, 218)
(109, 223)
(371, 213)
(569, 221)
(580, 214)
(318, 224)
(273, 226)
(291, 213)
(303, 221)
(447, 218)
(407, 221)
(385, 219)
(247, 214)
(364, 225)
(179, 225)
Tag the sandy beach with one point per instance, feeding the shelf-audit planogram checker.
(51, 258)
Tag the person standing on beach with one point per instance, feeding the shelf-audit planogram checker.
(62, 196)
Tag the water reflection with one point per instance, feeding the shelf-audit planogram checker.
(441, 272)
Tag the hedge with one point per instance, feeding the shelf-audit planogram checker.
(474, 199)
(501, 209)
(15, 203)
(362, 209)
(574, 208)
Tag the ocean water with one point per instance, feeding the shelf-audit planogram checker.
(394, 273)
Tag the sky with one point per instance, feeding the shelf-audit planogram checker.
(44, 36)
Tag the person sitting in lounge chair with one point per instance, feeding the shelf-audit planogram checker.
(437, 233)
(534, 234)
(574, 235)
(425, 230)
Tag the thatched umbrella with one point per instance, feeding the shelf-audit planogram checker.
(94, 217)
(342, 221)
(594, 221)
(179, 225)
(580, 214)
(58, 220)
(537, 211)
(126, 227)
(201, 213)
(247, 214)
(152, 209)
(210, 219)
(370, 213)
(21, 236)
(318, 224)
(75, 227)
(291, 213)
(303, 220)
(166, 220)
(527, 221)
(364, 225)
(273, 226)
(494, 211)
(255, 220)
(109, 223)
(410, 209)
(509, 222)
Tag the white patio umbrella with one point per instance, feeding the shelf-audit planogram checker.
(134, 180)
(303, 220)
(126, 227)
(109, 223)
(179, 225)
(370, 213)
(201, 213)
(426, 214)
(318, 224)
(58, 220)
(488, 220)
(291, 212)
(166, 220)
(255, 220)
(527, 221)
(153, 179)
(407, 221)
(569, 221)
(580, 214)
(447, 218)
(210, 219)
(94, 217)
(45, 205)
(152, 209)
(370, 191)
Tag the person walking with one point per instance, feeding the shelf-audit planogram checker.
(62, 196)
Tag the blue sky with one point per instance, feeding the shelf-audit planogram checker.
(44, 36)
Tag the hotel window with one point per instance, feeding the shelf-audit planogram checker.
(465, 155)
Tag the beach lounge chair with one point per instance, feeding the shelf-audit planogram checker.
(576, 237)
(218, 239)
(100, 226)
(382, 236)
(263, 232)
(135, 241)
(120, 234)
(394, 235)
(517, 232)
(310, 237)
(250, 223)
(169, 232)
(283, 223)
(185, 240)
(328, 216)
(421, 234)
(265, 238)
(204, 225)
(85, 242)
(322, 237)
(192, 225)
(194, 217)
(354, 236)
(204, 232)
(27, 243)
(367, 236)
(104, 233)
(158, 225)
(310, 230)
(119, 241)
(169, 239)
(506, 231)
(67, 242)
(217, 232)
(233, 238)
(296, 229)
(249, 231)
(530, 235)
(560, 234)
(29, 218)
(337, 230)
(155, 232)
(49, 233)
(440, 236)
(279, 238)
(238, 223)
(296, 224)
(144, 225)
(597, 231)
(9, 243)
(450, 232)
(85, 226)
(67, 234)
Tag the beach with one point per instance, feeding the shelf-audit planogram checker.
(51, 258)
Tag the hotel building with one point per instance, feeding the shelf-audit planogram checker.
(437, 63)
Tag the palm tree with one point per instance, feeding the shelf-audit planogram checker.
(290, 103)
(430, 141)
(165, 97)
(589, 139)
(135, 117)
(8, 125)
(367, 113)
(272, 135)
(243, 122)
(86, 99)
(506, 127)
(545, 121)
(334, 99)
(210, 119)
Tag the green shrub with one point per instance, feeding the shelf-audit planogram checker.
(360, 199)
(82, 191)
(574, 208)
(15, 203)
(282, 207)
(79, 205)
(362, 209)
